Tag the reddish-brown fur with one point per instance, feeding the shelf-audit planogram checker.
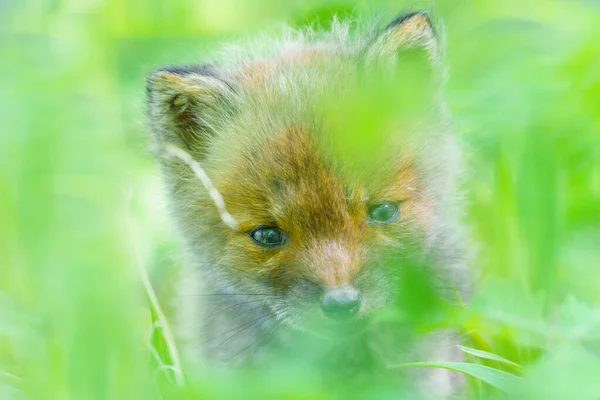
(326, 221)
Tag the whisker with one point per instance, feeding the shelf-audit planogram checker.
(261, 337)
(245, 327)
(202, 320)
(230, 307)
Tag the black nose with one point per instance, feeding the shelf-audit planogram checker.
(341, 303)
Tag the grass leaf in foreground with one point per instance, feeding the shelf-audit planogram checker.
(489, 356)
(501, 380)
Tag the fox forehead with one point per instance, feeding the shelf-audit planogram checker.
(290, 183)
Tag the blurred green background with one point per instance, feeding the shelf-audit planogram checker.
(81, 205)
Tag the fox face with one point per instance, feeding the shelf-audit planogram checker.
(319, 234)
(311, 237)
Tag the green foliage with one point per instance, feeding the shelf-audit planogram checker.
(489, 356)
(74, 322)
(494, 377)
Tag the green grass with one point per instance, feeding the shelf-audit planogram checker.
(81, 206)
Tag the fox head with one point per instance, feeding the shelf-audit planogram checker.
(322, 227)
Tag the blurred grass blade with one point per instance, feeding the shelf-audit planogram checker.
(9, 386)
(161, 341)
(7, 378)
(489, 356)
(501, 380)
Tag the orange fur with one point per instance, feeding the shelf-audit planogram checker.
(324, 216)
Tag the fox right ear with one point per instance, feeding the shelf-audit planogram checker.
(407, 32)
(185, 104)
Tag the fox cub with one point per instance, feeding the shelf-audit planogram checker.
(319, 241)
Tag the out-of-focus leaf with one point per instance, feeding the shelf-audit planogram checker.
(9, 386)
(570, 372)
(497, 378)
(489, 356)
(508, 307)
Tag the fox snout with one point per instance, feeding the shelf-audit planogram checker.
(341, 303)
(337, 265)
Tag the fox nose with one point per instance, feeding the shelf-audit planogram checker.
(341, 303)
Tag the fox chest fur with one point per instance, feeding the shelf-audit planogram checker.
(332, 155)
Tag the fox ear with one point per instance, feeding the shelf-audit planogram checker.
(407, 32)
(185, 104)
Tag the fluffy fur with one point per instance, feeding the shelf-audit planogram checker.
(260, 122)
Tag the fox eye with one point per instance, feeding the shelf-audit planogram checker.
(384, 212)
(268, 236)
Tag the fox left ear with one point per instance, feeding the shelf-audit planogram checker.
(410, 31)
(185, 105)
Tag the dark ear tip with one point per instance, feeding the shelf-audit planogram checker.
(165, 78)
(184, 70)
(403, 18)
(179, 71)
